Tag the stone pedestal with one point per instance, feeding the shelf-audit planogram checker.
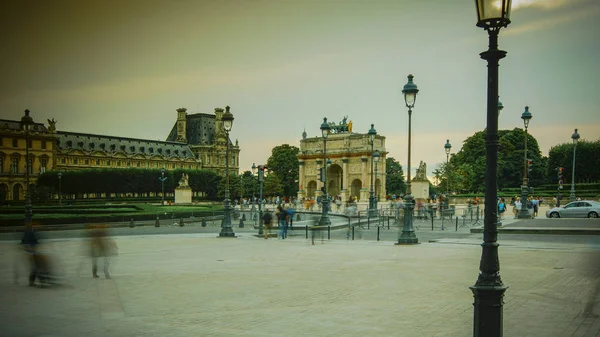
(183, 195)
(420, 189)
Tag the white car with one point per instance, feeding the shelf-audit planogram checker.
(576, 209)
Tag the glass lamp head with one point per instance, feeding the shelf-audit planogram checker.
(325, 128)
(493, 14)
(526, 117)
(410, 91)
(227, 119)
(575, 137)
(447, 146)
(376, 156)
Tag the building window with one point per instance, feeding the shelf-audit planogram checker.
(98, 162)
(173, 165)
(1, 141)
(75, 161)
(233, 161)
(119, 163)
(14, 167)
(43, 144)
(43, 165)
(87, 162)
(208, 159)
(138, 164)
(30, 165)
(128, 164)
(108, 163)
(217, 160)
(29, 142)
(63, 161)
(1, 164)
(15, 142)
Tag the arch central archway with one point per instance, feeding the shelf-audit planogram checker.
(335, 179)
(355, 188)
(311, 188)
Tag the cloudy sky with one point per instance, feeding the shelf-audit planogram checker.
(122, 68)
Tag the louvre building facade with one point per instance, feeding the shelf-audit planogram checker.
(197, 141)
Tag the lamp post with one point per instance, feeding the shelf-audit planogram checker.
(575, 138)
(375, 158)
(59, 188)
(26, 123)
(261, 179)
(226, 229)
(324, 221)
(408, 233)
(372, 208)
(447, 148)
(253, 209)
(488, 291)
(162, 185)
(523, 212)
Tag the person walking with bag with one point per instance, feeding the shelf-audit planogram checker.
(267, 218)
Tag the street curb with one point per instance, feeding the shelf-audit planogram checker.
(551, 231)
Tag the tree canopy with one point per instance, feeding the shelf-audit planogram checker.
(394, 179)
(283, 162)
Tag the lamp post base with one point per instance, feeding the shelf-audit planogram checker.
(408, 236)
(488, 315)
(523, 212)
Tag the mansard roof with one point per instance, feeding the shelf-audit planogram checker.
(11, 125)
(128, 146)
(200, 129)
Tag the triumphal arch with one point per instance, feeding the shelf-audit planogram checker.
(349, 174)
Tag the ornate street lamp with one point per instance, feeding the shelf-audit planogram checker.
(162, 179)
(226, 229)
(448, 148)
(324, 221)
(575, 138)
(253, 209)
(523, 212)
(489, 290)
(375, 158)
(500, 106)
(372, 208)
(26, 123)
(59, 188)
(408, 233)
(261, 179)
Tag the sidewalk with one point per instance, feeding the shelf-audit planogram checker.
(199, 285)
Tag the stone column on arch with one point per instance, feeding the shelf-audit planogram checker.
(364, 191)
(345, 184)
(319, 183)
(301, 179)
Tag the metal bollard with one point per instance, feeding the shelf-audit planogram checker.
(157, 223)
(329, 232)
(131, 224)
(306, 231)
(203, 222)
(456, 224)
(377, 233)
(243, 218)
(352, 233)
(180, 222)
(242, 221)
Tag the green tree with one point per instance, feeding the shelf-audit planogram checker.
(249, 184)
(470, 161)
(234, 187)
(394, 179)
(284, 163)
(272, 186)
(587, 161)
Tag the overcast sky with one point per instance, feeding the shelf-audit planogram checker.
(122, 68)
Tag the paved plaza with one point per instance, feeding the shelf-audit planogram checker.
(195, 284)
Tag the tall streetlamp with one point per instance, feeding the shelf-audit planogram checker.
(162, 179)
(226, 229)
(408, 232)
(447, 148)
(375, 158)
(261, 179)
(26, 123)
(488, 291)
(253, 209)
(324, 221)
(523, 212)
(372, 207)
(575, 138)
(59, 188)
